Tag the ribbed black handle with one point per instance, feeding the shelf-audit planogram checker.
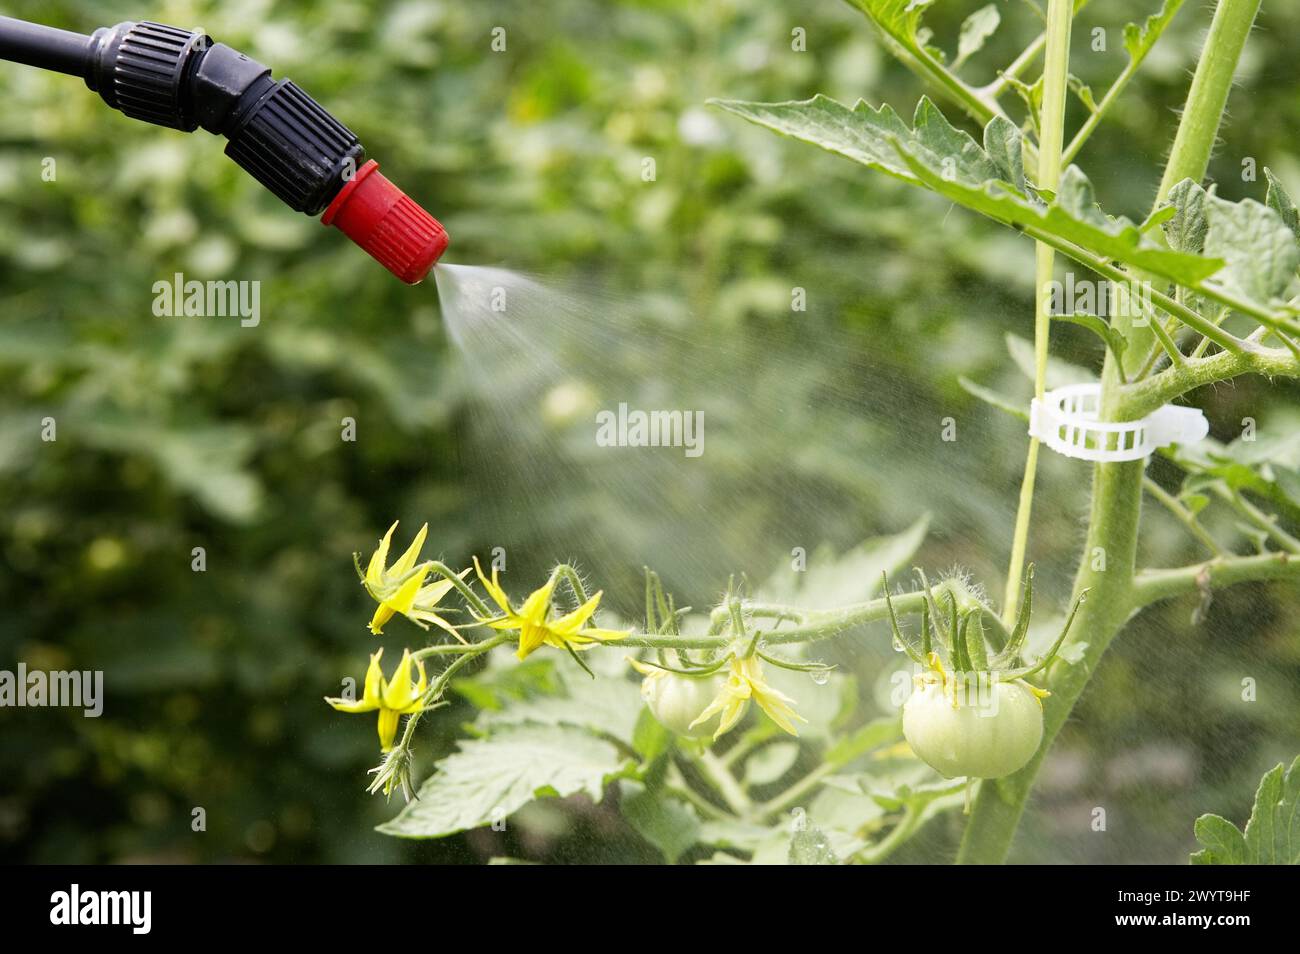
(290, 144)
(147, 71)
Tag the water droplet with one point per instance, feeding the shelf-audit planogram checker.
(821, 676)
(898, 645)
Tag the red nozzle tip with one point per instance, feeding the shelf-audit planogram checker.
(388, 224)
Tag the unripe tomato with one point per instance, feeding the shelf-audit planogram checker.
(990, 733)
(677, 701)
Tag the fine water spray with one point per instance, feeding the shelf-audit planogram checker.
(278, 134)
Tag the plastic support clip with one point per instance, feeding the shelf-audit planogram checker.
(1066, 420)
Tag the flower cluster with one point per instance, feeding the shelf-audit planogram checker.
(704, 699)
(415, 589)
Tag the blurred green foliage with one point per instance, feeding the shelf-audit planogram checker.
(174, 434)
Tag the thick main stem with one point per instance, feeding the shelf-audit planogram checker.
(1051, 139)
(1198, 129)
(1107, 569)
(1108, 563)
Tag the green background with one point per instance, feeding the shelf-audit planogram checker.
(177, 433)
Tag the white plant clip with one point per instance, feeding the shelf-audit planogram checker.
(1066, 421)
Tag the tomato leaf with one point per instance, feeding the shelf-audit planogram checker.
(831, 581)
(486, 780)
(1260, 250)
(875, 734)
(1138, 40)
(899, 23)
(1005, 148)
(1280, 202)
(666, 823)
(771, 762)
(975, 29)
(1185, 229)
(948, 161)
(608, 705)
(1272, 835)
(994, 399)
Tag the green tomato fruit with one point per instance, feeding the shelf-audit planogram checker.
(992, 732)
(677, 701)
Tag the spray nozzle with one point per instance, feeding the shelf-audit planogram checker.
(277, 133)
(388, 224)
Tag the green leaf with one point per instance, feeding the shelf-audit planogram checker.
(993, 399)
(737, 835)
(1005, 147)
(771, 762)
(948, 161)
(608, 705)
(666, 823)
(489, 779)
(650, 739)
(855, 576)
(810, 846)
(1260, 250)
(1267, 467)
(899, 23)
(1030, 94)
(506, 679)
(1280, 202)
(1110, 337)
(1083, 91)
(1224, 844)
(975, 29)
(863, 134)
(1059, 371)
(1185, 229)
(875, 734)
(1138, 40)
(1272, 835)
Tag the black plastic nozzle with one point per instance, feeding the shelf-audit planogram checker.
(281, 136)
(181, 79)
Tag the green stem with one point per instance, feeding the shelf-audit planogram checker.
(1184, 516)
(907, 824)
(1106, 570)
(1055, 83)
(791, 796)
(439, 685)
(819, 624)
(677, 785)
(1142, 397)
(1022, 62)
(1199, 126)
(461, 586)
(1167, 304)
(1107, 101)
(1108, 562)
(1265, 522)
(720, 777)
(1151, 586)
(911, 819)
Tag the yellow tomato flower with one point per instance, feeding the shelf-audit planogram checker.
(400, 588)
(745, 682)
(392, 698)
(531, 619)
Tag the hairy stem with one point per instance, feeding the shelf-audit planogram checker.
(1107, 566)
(1183, 515)
(1202, 114)
(1106, 570)
(1154, 585)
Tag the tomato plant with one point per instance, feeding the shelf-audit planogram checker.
(705, 754)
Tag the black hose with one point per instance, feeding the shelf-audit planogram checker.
(46, 47)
